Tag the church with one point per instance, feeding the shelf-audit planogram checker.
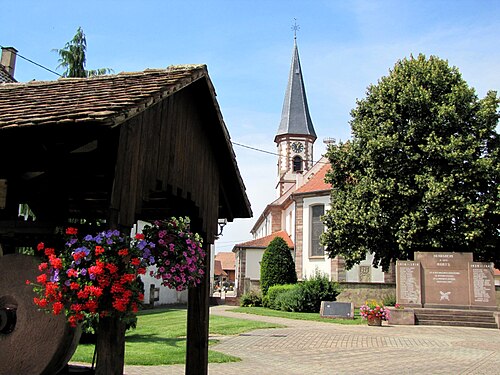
(303, 198)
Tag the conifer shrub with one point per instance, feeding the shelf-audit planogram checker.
(277, 265)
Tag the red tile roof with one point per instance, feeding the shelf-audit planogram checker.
(317, 182)
(105, 100)
(227, 259)
(264, 242)
(497, 272)
(218, 271)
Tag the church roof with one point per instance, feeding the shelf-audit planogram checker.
(317, 182)
(264, 242)
(295, 118)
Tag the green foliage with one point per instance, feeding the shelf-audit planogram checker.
(277, 266)
(316, 289)
(422, 171)
(305, 296)
(72, 58)
(272, 297)
(389, 300)
(251, 299)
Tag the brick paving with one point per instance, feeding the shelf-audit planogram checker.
(323, 348)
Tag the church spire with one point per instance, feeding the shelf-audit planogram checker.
(295, 118)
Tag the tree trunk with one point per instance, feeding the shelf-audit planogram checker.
(110, 346)
(197, 324)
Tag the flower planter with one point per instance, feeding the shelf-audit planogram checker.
(404, 316)
(374, 320)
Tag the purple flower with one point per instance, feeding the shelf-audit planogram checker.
(83, 271)
(88, 237)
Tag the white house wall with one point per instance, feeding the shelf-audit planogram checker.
(288, 221)
(254, 257)
(377, 276)
(310, 265)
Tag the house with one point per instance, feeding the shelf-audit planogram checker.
(303, 198)
(117, 149)
(227, 260)
(8, 65)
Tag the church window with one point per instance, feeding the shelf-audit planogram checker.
(297, 164)
(317, 228)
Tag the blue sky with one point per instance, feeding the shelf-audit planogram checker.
(344, 46)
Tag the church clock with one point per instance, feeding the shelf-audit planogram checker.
(297, 147)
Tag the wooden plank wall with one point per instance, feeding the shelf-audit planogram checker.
(168, 147)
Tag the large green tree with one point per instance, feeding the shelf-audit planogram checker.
(421, 172)
(73, 58)
(277, 266)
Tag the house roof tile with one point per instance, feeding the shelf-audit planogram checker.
(106, 100)
(264, 242)
(227, 259)
(218, 271)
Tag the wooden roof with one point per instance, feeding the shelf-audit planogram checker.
(88, 147)
(106, 100)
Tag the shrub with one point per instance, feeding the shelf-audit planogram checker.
(291, 299)
(316, 289)
(251, 299)
(272, 298)
(389, 300)
(277, 266)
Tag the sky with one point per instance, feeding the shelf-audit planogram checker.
(344, 47)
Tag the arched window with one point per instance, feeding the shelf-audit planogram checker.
(317, 228)
(297, 164)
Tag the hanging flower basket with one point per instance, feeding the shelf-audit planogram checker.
(176, 252)
(91, 277)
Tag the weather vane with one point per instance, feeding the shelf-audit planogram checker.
(295, 28)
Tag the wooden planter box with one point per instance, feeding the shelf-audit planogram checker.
(404, 316)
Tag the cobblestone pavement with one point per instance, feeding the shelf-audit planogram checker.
(323, 348)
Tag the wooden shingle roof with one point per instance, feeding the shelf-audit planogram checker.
(108, 100)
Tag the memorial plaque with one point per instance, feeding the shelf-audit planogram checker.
(445, 278)
(337, 310)
(365, 274)
(408, 284)
(482, 284)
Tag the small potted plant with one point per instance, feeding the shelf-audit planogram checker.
(374, 312)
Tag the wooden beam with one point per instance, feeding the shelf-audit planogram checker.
(197, 324)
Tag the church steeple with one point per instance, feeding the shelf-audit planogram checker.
(295, 117)
(296, 135)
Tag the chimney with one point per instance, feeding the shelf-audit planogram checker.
(9, 59)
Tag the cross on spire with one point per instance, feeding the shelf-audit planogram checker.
(295, 28)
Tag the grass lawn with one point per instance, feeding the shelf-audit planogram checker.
(299, 315)
(159, 338)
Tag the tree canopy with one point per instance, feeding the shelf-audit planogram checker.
(421, 172)
(73, 58)
(277, 266)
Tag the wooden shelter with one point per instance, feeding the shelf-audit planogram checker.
(120, 148)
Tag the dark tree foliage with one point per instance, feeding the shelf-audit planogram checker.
(277, 266)
(421, 172)
(73, 58)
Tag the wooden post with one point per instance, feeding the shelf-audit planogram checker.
(110, 346)
(197, 324)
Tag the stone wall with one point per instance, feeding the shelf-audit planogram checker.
(358, 293)
(497, 289)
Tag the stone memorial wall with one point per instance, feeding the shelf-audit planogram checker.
(439, 279)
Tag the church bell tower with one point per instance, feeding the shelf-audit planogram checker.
(295, 136)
